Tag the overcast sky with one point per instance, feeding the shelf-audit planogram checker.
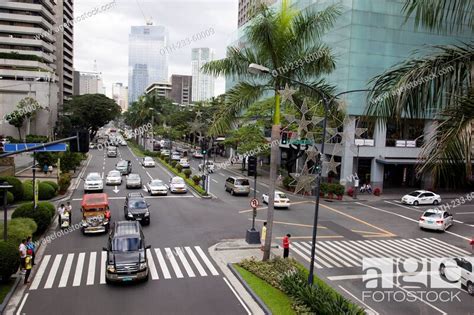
(104, 36)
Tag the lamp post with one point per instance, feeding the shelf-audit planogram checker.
(152, 121)
(5, 186)
(259, 69)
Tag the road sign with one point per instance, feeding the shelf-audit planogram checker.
(13, 147)
(254, 203)
(301, 141)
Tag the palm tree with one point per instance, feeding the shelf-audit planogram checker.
(283, 40)
(437, 86)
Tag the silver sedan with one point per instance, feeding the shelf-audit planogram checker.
(134, 181)
(157, 187)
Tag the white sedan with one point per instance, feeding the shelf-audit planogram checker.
(157, 187)
(281, 200)
(197, 155)
(184, 163)
(421, 197)
(148, 162)
(459, 269)
(177, 184)
(433, 219)
(114, 178)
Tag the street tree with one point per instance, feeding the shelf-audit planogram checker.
(25, 110)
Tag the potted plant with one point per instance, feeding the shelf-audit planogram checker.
(339, 191)
(377, 191)
(350, 192)
(187, 173)
(323, 188)
(331, 189)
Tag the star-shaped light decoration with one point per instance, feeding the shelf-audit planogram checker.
(312, 154)
(303, 124)
(198, 114)
(290, 118)
(304, 181)
(331, 165)
(287, 94)
(342, 105)
(304, 107)
(200, 137)
(316, 120)
(195, 126)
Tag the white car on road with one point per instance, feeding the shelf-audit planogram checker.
(114, 178)
(184, 163)
(421, 197)
(210, 166)
(148, 162)
(459, 269)
(433, 219)
(177, 184)
(175, 156)
(281, 200)
(157, 187)
(93, 182)
(165, 152)
(197, 155)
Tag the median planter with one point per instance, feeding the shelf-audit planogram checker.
(196, 179)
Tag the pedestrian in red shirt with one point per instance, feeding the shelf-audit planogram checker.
(286, 245)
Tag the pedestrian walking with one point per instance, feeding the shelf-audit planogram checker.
(50, 170)
(31, 246)
(22, 251)
(69, 208)
(263, 235)
(61, 210)
(45, 169)
(28, 265)
(286, 245)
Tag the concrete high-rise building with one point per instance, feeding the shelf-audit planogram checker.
(181, 88)
(247, 9)
(202, 84)
(28, 28)
(147, 61)
(120, 95)
(65, 49)
(91, 83)
(160, 88)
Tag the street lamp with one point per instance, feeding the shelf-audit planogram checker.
(5, 186)
(152, 121)
(259, 69)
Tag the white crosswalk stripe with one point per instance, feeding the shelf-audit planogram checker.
(89, 268)
(346, 254)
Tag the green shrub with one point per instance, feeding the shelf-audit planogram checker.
(271, 271)
(52, 184)
(64, 182)
(17, 189)
(158, 155)
(46, 191)
(173, 164)
(187, 173)
(324, 188)
(36, 139)
(339, 189)
(19, 228)
(10, 260)
(196, 179)
(10, 198)
(287, 180)
(27, 191)
(179, 167)
(48, 205)
(41, 215)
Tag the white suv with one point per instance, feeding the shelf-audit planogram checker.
(93, 182)
(456, 269)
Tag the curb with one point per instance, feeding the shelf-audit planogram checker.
(249, 290)
(10, 293)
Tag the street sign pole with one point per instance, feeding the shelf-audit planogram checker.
(34, 181)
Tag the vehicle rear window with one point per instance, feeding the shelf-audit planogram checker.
(242, 182)
(126, 244)
(432, 214)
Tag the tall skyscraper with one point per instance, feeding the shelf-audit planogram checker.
(91, 83)
(203, 84)
(120, 95)
(146, 61)
(247, 9)
(65, 49)
(181, 88)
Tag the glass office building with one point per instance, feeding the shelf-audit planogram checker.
(147, 60)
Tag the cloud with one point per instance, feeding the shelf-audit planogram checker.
(104, 37)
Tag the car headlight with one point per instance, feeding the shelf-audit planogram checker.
(147, 214)
(110, 268)
(84, 223)
(130, 215)
(143, 266)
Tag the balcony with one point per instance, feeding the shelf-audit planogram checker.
(12, 41)
(48, 58)
(34, 19)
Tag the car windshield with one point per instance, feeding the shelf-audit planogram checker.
(114, 174)
(122, 164)
(243, 182)
(157, 183)
(148, 159)
(93, 177)
(282, 196)
(177, 180)
(126, 244)
(133, 176)
(414, 194)
(137, 204)
(430, 214)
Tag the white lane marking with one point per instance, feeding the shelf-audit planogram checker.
(308, 252)
(196, 262)
(457, 221)
(237, 296)
(345, 260)
(402, 206)
(437, 249)
(449, 246)
(349, 251)
(40, 272)
(206, 261)
(53, 271)
(146, 197)
(173, 262)
(91, 270)
(321, 253)
(457, 213)
(151, 265)
(223, 175)
(79, 266)
(162, 263)
(215, 181)
(22, 304)
(185, 263)
(103, 265)
(149, 175)
(296, 250)
(66, 271)
(367, 307)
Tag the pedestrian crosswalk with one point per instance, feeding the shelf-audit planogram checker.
(347, 254)
(79, 269)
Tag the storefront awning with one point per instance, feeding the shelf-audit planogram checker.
(399, 161)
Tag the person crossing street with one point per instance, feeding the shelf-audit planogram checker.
(286, 245)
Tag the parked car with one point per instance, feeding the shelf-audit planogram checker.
(421, 197)
(165, 152)
(123, 142)
(175, 156)
(126, 253)
(124, 166)
(157, 187)
(148, 162)
(237, 185)
(459, 269)
(281, 200)
(136, 208)
(114, 178)
(133, 181)
(177, 184)
(197, 154)
(184, 163)
(112, 151)
(435, 220)
(93, 182)
(209, 165)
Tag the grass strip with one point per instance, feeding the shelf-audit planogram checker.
(5, 288)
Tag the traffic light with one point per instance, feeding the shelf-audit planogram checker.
(252, 166)
(81, 144)
(204, 151)
(284, 137)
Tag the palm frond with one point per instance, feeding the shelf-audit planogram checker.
(441, 15)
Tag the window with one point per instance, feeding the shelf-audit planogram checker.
(407, 129)
(243, 182)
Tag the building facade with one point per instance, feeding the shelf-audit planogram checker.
(147, 60)
(120, 95)
(90, 83)
(162, 89)
(247, 9)
(181, 89)
(202, 84)
(28, 63)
